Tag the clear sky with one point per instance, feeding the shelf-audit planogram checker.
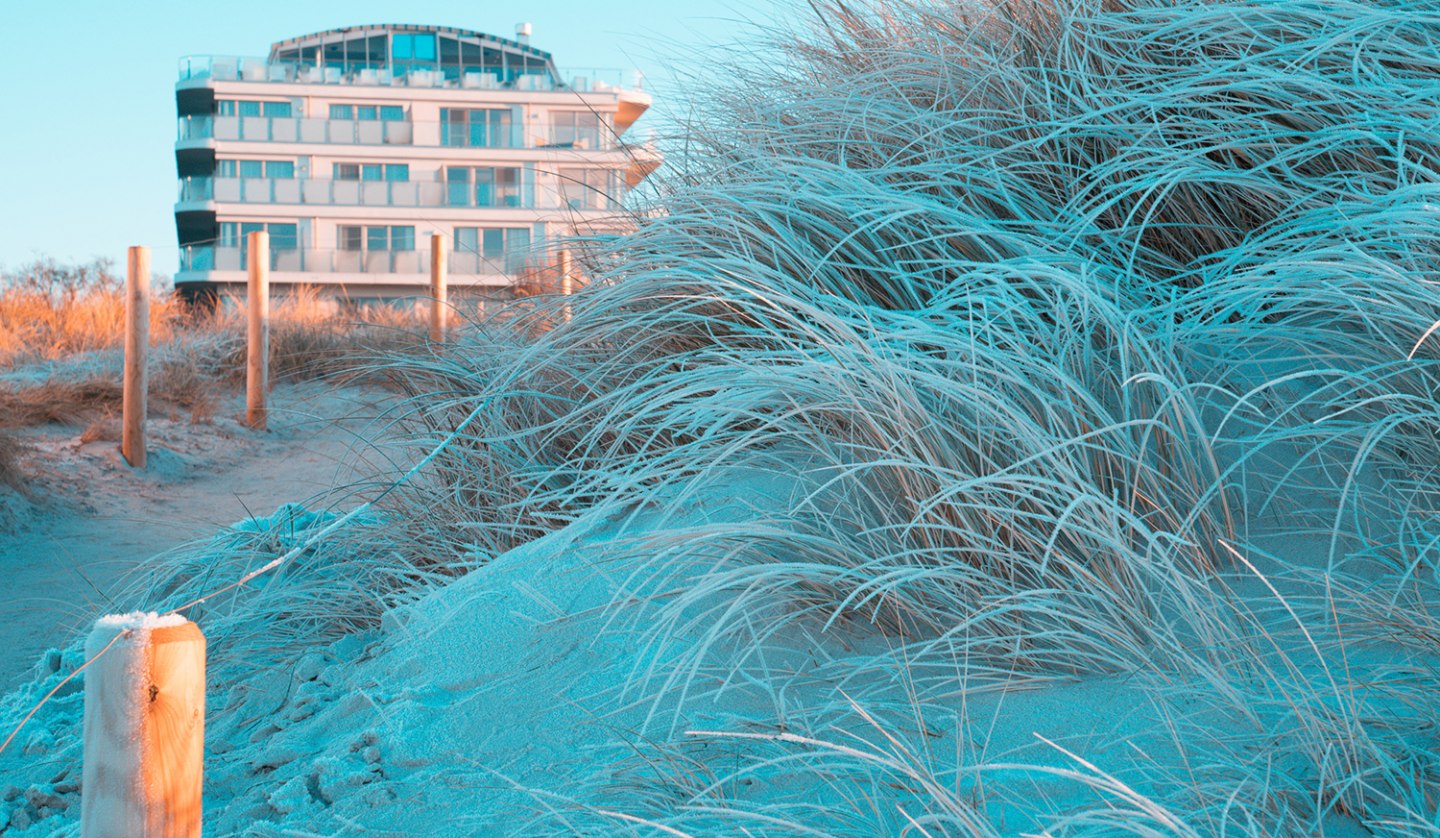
(88, 132)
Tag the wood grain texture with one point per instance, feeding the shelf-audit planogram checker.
(137, 344)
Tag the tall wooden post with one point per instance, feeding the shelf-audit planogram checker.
(566, 283)
(438, 305)
(137, 344)
(257, 371)
(144, 728)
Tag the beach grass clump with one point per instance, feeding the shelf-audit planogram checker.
(1055, 314)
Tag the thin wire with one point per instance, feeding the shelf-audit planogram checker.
(63, 682)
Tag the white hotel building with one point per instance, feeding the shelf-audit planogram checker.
(351, 147)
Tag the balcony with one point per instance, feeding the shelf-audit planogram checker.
(290, 129)
(254, 69)
(416, 134)
(210, 258)
(348, 193)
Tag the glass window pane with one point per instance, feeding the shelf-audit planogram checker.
(225, 168)
(517, 240)
(342, 111)
(397, 171)
(347, 171)
(392, 113)
(350, 238)
(252, 168)
(424, 47)
(494, 242)
(277, 109)
(368, 112)
(467, 239)
(249, 108)
(280, 169)
(371, 171)
(403, 46)
(225, 107)
(402, 238)
(283, 237)
(377, 238)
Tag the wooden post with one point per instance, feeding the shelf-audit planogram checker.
(566, 284)
(257, 372)
(137, 343)
(144, 728)
(438, 303)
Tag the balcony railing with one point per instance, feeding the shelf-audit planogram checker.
(207, 258)
(294, 129)
(243, 68)
(349, 193)
(290, 129)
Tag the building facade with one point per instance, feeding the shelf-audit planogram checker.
(351, 147)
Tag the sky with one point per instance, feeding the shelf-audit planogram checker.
(89, 129)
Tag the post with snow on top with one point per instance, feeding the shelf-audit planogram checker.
(144, 728)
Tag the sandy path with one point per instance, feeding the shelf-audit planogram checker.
(62, 561)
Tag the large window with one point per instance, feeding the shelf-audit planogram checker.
(274, 169)
(502, 248)
(489, 128)
(590, 189)
(580, 129)
(368, 113)
(485, 186)
(355, 237)
(284, 235)
(252, 107)
(413, 51)
(372, 171)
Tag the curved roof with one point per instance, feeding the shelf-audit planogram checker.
(468, 34)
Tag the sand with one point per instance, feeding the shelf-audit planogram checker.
(91, 518)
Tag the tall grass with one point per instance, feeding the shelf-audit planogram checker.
(1045, 306)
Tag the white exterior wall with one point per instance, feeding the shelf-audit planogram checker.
(320, 206)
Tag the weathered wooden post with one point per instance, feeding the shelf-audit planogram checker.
(137, 344)
(438, 303)
(144, 728)
(566, 284)
(257, 372)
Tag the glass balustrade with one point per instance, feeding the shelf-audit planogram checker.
(209, 258)
(604, 195)
(256, 69)
(320, 130)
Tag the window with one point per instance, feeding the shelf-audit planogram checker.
(490, 128)
(278, 169)
(493, 186)
(572, 128)
(368, 113)
(372, 171)
(501, 245)
(284, 235)
(414, 48)
(584, 189)
(250, 107)
(376, 238)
